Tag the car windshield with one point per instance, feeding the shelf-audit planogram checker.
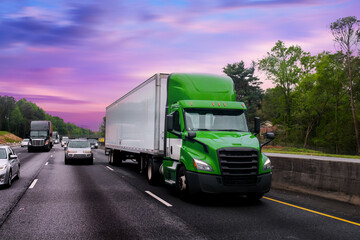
(25, 140)
(215, 120)
(2, 153)
(79, 144)
(38, 133)
(92, 140)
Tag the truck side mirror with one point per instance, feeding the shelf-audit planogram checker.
(270, 135)
(191, 134)
(169, 122)
(256, 125)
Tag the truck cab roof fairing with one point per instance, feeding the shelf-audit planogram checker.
(199, 87)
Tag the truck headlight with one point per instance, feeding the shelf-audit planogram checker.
(267, 165)
(201, 165)
(47, 142)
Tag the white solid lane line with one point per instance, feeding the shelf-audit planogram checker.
(110, 168)
(159, 199)
(33, 184)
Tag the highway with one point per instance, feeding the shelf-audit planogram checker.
(100, 201)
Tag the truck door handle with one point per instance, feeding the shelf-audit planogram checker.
(171, 150)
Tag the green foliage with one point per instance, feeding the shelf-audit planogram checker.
(16, 117)
(320, 107)
(285, 67)
(102, 127)
(247, 86)
(346, 33)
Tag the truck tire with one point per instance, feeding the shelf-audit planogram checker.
(117, 158)
(111, 158)
(182, 184)
(153, 174)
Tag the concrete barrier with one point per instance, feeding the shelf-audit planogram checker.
(332, 178)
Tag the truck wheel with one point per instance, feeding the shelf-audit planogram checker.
(255, 196)
(153, 175)
(111, 158)
(182, 185)
(117, 158)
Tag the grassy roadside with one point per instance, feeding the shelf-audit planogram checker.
(6, 137)
(303, 151)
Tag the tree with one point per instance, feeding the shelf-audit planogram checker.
(17, 122)
(247, 86)
(317, 90)
(346, 32)
(7, 104)
(102, 127)
(285, 66)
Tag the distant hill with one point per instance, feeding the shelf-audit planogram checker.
(6, 137)
(16, 116)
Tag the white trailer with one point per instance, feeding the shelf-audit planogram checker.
(135, 122)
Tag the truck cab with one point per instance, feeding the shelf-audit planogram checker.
(41, 136)
(209, 147)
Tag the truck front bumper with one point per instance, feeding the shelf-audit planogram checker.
(199, 182)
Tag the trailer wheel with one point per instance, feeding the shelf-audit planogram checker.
(153, 175)
(117, 158)
(111, 158)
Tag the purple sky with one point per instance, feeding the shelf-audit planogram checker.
(74, 59)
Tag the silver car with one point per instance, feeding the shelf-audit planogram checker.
(25, 142)
(9, 166)
(78, 150)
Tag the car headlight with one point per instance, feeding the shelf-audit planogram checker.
(267, 165)
(201, 165)
(3, 167)
(87, 151)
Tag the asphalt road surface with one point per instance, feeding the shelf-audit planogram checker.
(52, 200)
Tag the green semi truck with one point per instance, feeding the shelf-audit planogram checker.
(189, 131)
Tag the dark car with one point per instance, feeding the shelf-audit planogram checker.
(93, 143)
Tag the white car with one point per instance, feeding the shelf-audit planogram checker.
(25, 142)
(78, 150)
(9, 166)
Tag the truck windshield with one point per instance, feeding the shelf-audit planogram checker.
(215, 120)
(38, 133)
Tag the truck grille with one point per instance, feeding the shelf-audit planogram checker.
(37, 143)
(239, 166)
